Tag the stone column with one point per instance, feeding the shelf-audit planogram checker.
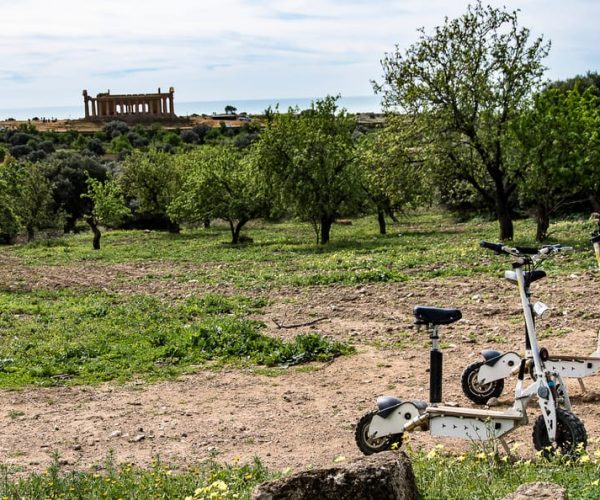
(171, 107)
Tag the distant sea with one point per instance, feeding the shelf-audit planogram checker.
(354, 104)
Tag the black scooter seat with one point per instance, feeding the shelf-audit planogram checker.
(425, 315)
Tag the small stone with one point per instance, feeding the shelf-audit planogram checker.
(76, 447)
(493, 402)
(137, 438)
(115, 434)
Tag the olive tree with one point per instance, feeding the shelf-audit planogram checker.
(309, 159)
(107, 208)
(153, 179)
(469, 78)
(393, 174)
(560, 150)
(221, 182)
(31, 195)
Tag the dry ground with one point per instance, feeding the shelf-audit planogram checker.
(304, 415)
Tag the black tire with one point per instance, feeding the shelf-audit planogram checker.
(570, 432)
(373, 445)
(476, 392)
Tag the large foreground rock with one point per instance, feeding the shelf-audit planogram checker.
(383, 476)
(538, 491)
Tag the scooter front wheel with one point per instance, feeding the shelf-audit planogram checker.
(476, 392)
(369, 445)
(570, 435)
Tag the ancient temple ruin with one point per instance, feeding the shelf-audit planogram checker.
(107, 106)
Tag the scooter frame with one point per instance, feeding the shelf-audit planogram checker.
(394, 417)
(498, 366)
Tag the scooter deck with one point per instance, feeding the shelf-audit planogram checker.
(471, 412)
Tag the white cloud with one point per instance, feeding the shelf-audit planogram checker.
(220, 49)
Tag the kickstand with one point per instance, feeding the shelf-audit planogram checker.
(505, 447)
(582, 385)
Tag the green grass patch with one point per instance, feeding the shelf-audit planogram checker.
(486, 476)
(57, 337)
(426, 244)
(203, 481)
(439, 475)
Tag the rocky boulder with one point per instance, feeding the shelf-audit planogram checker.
(538, 491)
(382, 476)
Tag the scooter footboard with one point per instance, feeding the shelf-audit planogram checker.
(475, 429)
(500, 368)
(573, 368)
(394, 422)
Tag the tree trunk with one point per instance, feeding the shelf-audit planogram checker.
(594, 202)
(206, 223)
(30, 233)
(97, 234)
(503, 212)
(173, 227)
(542, 219)
(236, 230)
(326, 223)
(381, 220)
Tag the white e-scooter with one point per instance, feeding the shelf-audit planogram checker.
(484, 379)
(557, 428)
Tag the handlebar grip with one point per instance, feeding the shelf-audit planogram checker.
(496, 247)
(527, 250)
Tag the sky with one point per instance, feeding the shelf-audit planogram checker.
(242, 49)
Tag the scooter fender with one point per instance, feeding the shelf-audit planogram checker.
(394, 421)
(498, 367)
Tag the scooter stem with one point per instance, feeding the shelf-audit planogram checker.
(435, 369)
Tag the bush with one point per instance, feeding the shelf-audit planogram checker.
(20, 150)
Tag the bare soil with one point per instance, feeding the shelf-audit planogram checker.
(303, 416)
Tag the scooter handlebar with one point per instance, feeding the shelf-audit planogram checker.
(500, 248)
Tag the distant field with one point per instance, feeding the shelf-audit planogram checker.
(61, 322)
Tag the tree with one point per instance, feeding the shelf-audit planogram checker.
(153, 179)
(230, 110)
(108, 206)
(469, 79)
(392, 174)
(68, 174)
(560, 150)
(10, 225)
(221, 183)
(31, 195)
(309, 159)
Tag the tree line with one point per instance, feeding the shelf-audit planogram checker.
(471, 124)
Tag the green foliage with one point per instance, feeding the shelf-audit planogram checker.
(200, 481)
(68, 173)
(73, 337)
(465, 82)
(392, 174)
(108, 203)
(153, 179)
(308, 157)
(561, 149)
(478, 474)
(220, 182)
(10, 224)
(31, 194)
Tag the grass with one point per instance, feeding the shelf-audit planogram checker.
(439, 475)
(425, 245)
(75, 337)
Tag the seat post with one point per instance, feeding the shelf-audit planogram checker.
(435, 368)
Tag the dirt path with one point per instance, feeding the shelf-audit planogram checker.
(306, 415)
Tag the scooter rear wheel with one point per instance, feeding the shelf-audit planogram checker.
(369, 445)
(476, 392)
(570, 435)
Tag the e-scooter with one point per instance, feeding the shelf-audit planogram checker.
(483, 380)
(557, 428)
